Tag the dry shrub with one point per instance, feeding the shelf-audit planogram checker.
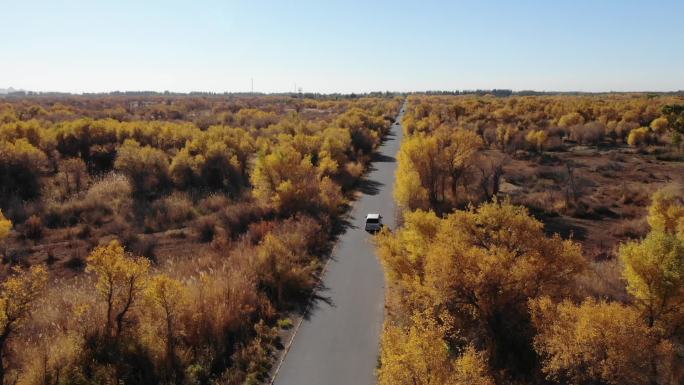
(635, 195)
(314, 239)
(33, 228)
(547, 202)
(631, 229)
(170, 212)
(114, 189)
(223, 302)
(53, 342)
(221, 241)
(609, 169)
(46, 359)
(236, 218)
(554, 143)
(588, 134)
(556, 174)
(214, 203)
(144, 247)
(206, 228)
(603, 279)
(632, 212)
(72, 177)
(109, 195)
(516, 142)
(258, 230)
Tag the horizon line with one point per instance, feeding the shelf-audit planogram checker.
(23, 92)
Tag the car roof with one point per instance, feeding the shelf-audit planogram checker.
(373, 216)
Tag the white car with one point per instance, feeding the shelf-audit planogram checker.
(373, 223)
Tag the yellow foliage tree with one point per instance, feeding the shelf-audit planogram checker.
(283, 266)
(431, 166)
(146, 166)
(482, 264)
(666, 213)
(599, 342)
(571, 119)
(660, 125)
(418, 355)
(330, 196)
(408, 191)
(537, 138)
(21, 165)
(286, 179)
(654, 271)
(168, 296)
(418, 159)
(458, 147)
(638, 136)
(121, 280)
(403, 252)
(503, 136)
(18, 295)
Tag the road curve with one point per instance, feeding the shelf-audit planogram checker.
(338, 342)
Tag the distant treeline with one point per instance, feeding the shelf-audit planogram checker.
(317, 95)
(303, 95)
(507, 92)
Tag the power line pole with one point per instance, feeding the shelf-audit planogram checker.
(252, 85)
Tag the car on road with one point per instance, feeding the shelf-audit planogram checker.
(373, 223)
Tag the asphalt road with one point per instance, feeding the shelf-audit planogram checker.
(338, 341)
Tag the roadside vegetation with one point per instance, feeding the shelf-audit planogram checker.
(162, 240)
(542, 241)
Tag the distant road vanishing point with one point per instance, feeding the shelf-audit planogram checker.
(338, 344)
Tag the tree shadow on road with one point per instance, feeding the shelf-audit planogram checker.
(381, 158)
(389, 136)
(317, 300)
(369, 187)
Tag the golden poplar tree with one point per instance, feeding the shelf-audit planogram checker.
(168, 297)
(418, 355)
(666, 213)
(121, 280)
(599, 342)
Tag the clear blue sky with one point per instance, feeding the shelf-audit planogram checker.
(341, 46)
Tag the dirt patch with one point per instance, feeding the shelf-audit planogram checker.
(597, 197)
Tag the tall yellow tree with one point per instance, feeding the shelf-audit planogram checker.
(121, 280)
(18, 295)
(459, 146)
(482, 264)
(666, 213)
(599, 342)
(418, 172)
(537, 138)
(168, 296)
(286, 179)
(654, 267)
(654, 271)
(146, 166)
(283, 266)
(418, 355)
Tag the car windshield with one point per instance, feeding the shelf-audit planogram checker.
(373, 220)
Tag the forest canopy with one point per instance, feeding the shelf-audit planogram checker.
(162, 239)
